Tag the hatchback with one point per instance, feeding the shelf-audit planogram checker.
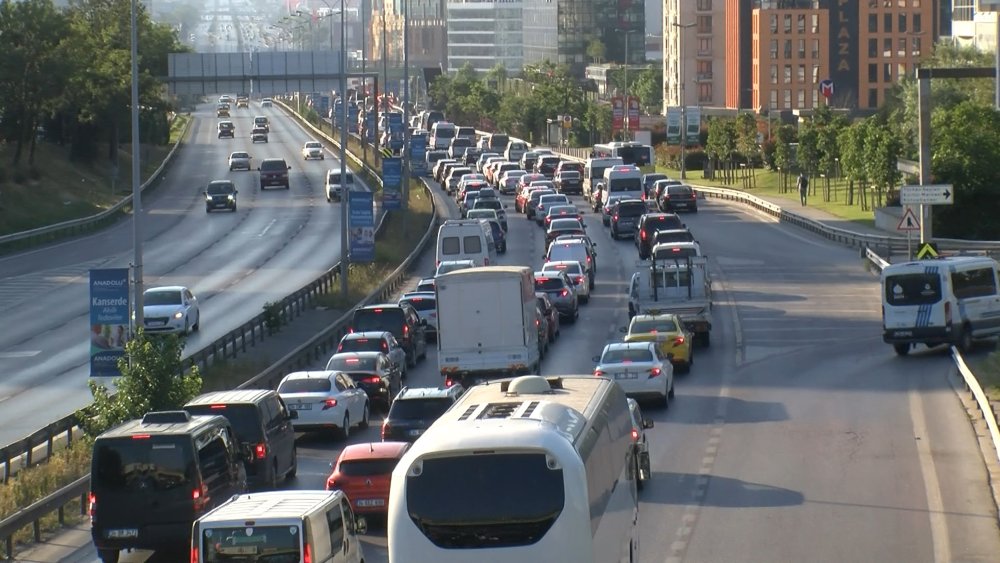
(312, 149)
(576, 273)
(560, 291)
(375, 341)
(372, 372)
(170, 309)
(324, 400)
(561, 227)
(576, 250)
(364, 473)
(625, 217)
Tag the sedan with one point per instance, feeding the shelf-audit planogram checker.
(170, 309)
(640, 369)
(373, 372)
(560, 227)
(560, 291)
(239, 161)
(576, 274)
(364, 473)
(425, 304)
(562, 212)
(312, 149)
(668, 332)
(324, 400)
(375, 341)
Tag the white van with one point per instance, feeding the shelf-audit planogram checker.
(515, 150)
(336, 181)
(301, 526)
(593, 173)
(442, 133)
(949, 300)
(466, 239)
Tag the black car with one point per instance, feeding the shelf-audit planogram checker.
(640, 447)
(373, 372)
(647, 226)
(674, 198)
(274, 172)
(415, 409)
(499, 235)
(546, 164)
(220, 194)
(569, 182)
(625, 216)
(150, 479)
(402, 320)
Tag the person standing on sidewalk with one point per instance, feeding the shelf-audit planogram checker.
(803, 186)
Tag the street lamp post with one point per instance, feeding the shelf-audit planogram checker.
(406, 109)
(136, 192)
(628, 132)
(345, 194)
(680, 80)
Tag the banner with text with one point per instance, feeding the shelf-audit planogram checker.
(361, 220)
(673, 125)
(418, 155)
(109, 320)
(633, 113)
(693, 119)
(617, 113)
(392, 183)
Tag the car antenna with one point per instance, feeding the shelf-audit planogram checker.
(371, 447)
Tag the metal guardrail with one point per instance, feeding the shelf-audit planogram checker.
(32, 514)
(76, 226)
(972, 384)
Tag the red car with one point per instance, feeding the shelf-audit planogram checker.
(364, 473)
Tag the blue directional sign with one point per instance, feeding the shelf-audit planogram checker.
(370, 126)
(109, 320)
(418, 155)
(396, 123)
(392, 183)
(352, 118)
(361, 217)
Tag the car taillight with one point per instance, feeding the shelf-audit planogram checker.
(635, 435)
(564, 293)
(655, 372)
(598, 373)
(678, 340)
(406, 330)
(382, 431)
(199, 497)
(340, 348)
(385, 347)
(331, 484)
(260, 450)
(307, 554)
(448, 382)
(538, 323)
(579, 280)
(616, 217)
(92, 504)
(374, 379)
(643, 234)
(194, 554)
(329, 403)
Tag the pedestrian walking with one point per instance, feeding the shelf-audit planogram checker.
(803, 186)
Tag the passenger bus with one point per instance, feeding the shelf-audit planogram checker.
(631, 152)
(518, 470)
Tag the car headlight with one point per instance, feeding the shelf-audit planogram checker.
(208, 198)
(179, 315)
(230, 196)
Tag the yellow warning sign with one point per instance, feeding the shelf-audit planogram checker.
(927, 251)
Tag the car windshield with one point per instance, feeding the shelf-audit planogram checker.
(418, 409)
(546, 283)
(622, 355)
(644, 326)
(244, 418)
(367, 467)
(135, 465)
(159, 297)
(305, 385)
(553, 199)
(220, 188)
(352, 363)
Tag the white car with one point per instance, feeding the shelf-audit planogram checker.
(312, 149)
(639, 368)
(170, 309)
(325, 400)
(240, 160)
(265, 103)
(451, 265)
(425, 303)
(576, 274)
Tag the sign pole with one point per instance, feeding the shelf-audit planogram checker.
(909, 245)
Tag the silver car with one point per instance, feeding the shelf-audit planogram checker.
(170, 309)
(239, 161)
(561, 292)
(545, 202)
(576, 273)
(375, 341)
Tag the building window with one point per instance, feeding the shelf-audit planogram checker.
(705, 46)
(788, 48)
(815, 74)
(900, 70)
(800, 23)
(705, 93)
(886, 72)
(815, 49)
(916, 3)
(815, 24)
(872, 73)
(916, 47)
(902, 47)
(887, 23)
(872, 23)
(802, 99)
(917, 20)
(901, 25)
(788, 23)
(704, 24)
(788, 99)
(873, 97)
(774, 49)
(802, 48)
(774, 74)
(815, 98)
(801, 74)
(705, 5)
(774, 23)
(774, 99)
(873, 48)
(887, 47)
(788, 74)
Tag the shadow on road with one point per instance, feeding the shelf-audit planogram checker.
(702, 409)
(725, 492)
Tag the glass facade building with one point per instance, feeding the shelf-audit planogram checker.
(485, 34)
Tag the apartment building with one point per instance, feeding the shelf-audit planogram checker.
(694, 52)
(485, 33)
(971, 25)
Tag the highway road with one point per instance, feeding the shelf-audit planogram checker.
(277, 242)
(798, 436)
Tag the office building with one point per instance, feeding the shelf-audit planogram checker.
(694, 52)
(428, 32)
(484, 33)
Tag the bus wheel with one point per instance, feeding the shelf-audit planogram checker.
(965, 340)
(902, 348)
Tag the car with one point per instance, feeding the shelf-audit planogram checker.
(324, 400)
(425, 303)
(640, 368)
(274, 172)
(489, 193)
(577, 249)
(481, 213)
(499, 235)
(648, 224)
(648, 180)
(569, 182)
(402, 320)
(470, 178)
(225, 99)
(240, 160)
(550, 314)
(625, 216)
(508, 184)
(471, 155)
(266, 103)
(439, 168)
(450, 183)
(262, 121)
(674, 198)
(542, 332)
(312, 149)
(425, 285)
(258, 135)
(560, 291)
(451, 265)
(672, 251)
(561, 227)
(415, 409)
(364, 472)
(659, 187)
(577, 274)
(374, 341)
(470, 186)
(561, 212)
(494, 204)
(242, 102)
(667, 236)
(222, 110)
(227, 129)
(530, 206)
(544, 203)
(481, 161)
(528, 159)
(220, 194)
(467, 202)
(372, 371)
(546, 164)
(640, 447)
(170, 309)
(673, 340)
(528, 178)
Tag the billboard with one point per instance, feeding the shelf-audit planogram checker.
(673, 125)
(633, 113)
(617, 113)
(361, 220)
(109, 320)
(418, 155)
(392, 183)
(693, 119)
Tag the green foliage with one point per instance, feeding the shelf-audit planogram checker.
(881, 150)
(648, 86)
(852, 151)
(272, 316)
(784, 136)
(808, 154)
(152, 380)
(596, 50)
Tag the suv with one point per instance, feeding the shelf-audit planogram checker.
(560, 291)
(274, 172)
(415, 409)
(150, 479)
(647, 226)
(402, 320)
(262, 424)
(625, 217)
(227, 129)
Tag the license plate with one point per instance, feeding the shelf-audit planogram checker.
(123, 533)
(416, 432)
(627, 375)
(903, 333)
(156, 323)
(371, 502)
(300, 407)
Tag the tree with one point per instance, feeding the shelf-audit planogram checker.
(596, 50)
(881, 153)
(784, 136)
(851, 143)
(746, 131)
(648, 86)
(152, 380)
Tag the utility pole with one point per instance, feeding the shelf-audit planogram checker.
(406, 111)
(136, 186)
(345, 193)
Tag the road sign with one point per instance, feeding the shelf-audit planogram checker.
(935, 194)
(826, 88)
(909, 221)
(927, 251)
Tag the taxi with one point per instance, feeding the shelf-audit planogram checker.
(669, 334)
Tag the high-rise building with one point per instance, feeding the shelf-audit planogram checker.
(428, 32)
(694, 52)
(971, 26)
(485, 33)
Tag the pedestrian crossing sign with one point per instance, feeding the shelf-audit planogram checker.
(909, 221)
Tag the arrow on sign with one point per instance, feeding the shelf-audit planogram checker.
(927, 251)
(909, 221)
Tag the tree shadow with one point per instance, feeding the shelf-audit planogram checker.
(685, 489)
(702, 409)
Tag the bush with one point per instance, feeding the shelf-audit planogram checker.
(272, 317)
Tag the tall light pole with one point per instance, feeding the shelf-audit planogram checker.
(406, 108)
(680, 80)
(345, 193)
(136, 191)
(628, 132)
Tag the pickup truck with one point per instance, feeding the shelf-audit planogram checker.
(682, 287)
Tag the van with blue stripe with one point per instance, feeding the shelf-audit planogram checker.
(949, 300)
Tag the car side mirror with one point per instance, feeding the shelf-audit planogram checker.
(292, 415)
(236, 192)
(258, 168)
(360, 525)
(597, 359)
(289, 168)
(647, 423)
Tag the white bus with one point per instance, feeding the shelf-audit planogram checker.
(630, 152)
(593, 173)
(520, 470)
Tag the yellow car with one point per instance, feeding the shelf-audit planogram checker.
(669, 334)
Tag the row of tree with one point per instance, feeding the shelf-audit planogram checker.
(68, 70)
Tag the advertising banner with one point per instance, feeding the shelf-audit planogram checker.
(392, 183)
(633, 113)
(361, 225)
(617, 113)
(109, 320)
(693, 119)
(673, 125)
(418, 155)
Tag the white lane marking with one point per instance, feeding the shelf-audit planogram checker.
(932, 487)
(267, 228)
(20, 354)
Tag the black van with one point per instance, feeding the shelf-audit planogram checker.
(263, 426)
(150, 479)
